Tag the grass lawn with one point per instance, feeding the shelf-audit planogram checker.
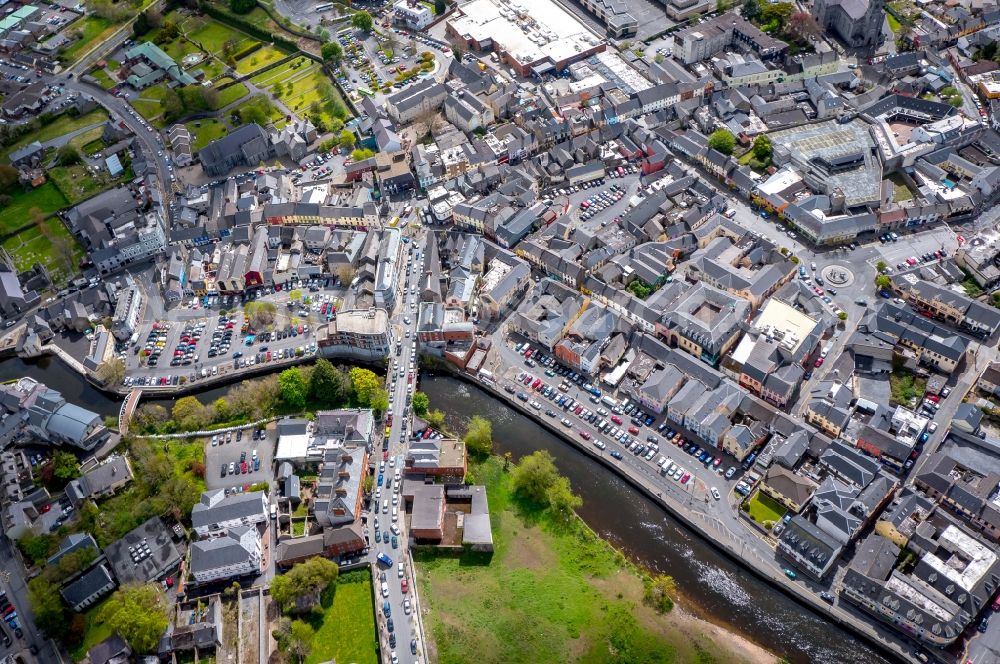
(178, 48)
(96, 632)
(305, 91)
(232, 93)
(103, 79)
(93, 30)
(157, 92)
(32, 245)
(275, 111)
(283, 73)
(87, 138)
(209, 130)
(900, 191)
(46, 198)
(551, 592)
(905, 387)
(345, 630)
(764, 508)
(894, 24)
(64, 124)
(262, 57)
(213, 35)
(147, 109)
(78, 183)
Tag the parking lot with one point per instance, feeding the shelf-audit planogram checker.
(916, 245)
(235, 450)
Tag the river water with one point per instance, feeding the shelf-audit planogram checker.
(714, 587)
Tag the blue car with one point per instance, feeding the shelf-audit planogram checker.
(380, 478)
(924, 436)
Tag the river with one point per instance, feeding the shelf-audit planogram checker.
(713, 586)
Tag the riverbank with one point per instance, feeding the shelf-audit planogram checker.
(554, 592)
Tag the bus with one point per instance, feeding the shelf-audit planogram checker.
(394, 222)
(324, 7)
(364, 92)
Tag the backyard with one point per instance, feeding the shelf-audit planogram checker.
(552, 592)
(345, 627)
(77, 182)
(96, 631)
(764, 508)
(905, 388)
(47, 198)
(64, 124)
(45, 243)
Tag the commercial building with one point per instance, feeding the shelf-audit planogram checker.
(34, 409)
(236, 554)
(128, 308)
(217, 512)
(412, 14)
(443, 459)
(544, 40)
(145, 554)
(367, 332)
(703, 40)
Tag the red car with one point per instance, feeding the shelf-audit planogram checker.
(933, 397)
(584, 435)
(578, 410)
(243, 467)
(616, 419)
(409, 378)
(385, 455)
(685, 478)
(404, 586)
(527, 379)
(633, 430)
(818, 363)
(170, 582)
(538, 381)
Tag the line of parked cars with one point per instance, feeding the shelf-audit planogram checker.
(242, 467)
(10, 617)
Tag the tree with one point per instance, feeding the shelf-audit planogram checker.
(189, 413)
(842, 315)
(150, 415)
(660, 591)
(138, 613)
(364, 382)
(65, 466)
(507, 456)
(293, 388)
(242, 6)
(883, 281)
(222, 411)
(435, 418)
(802, 26)
(368, 484)
(562, 501)
(439, 7)
(260, 314)
(299, 590)
(750, 9)
(300, 640)
(420, 402)
(535, 475)
(762, 148)
(345, 273)
(37, 548)
(48, 607)
(327, 384)
(68, 155)
(722, 140)
(255, 398)
(479, 436)
(360, 154)
(295, 295)
(881, 266)
(62, 247)
(112, 371)
(774, 15)
(379, 401)
(362, 21)
(8, 176)
(346, 140)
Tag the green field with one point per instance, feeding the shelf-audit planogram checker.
(213, 35)
(231, 94)
(206, 133)
(96, 632)
(147, 109)
(64, 124)
(93, 30)
(552, 592)
(305, 91)
(765, 508)
(259, 58)
(38, 245)
(77, 183)
(345, 630)
(46, 198)
(282, 73)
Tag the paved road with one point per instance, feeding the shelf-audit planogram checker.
(407, 627)
(15, 583)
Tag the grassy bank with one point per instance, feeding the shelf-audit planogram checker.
(553, 592)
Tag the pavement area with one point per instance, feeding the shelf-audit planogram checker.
(229, 452)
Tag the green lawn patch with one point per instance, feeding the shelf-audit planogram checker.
(64, 124)
(894, 23)
(551, 592)
(147, 109)
(259, 58)
(46, 198)
(765, 508)
(232, 93)
(208, 131)
(87, 138)
(39, 245)
(96, 632)
(93, 30)
(905, 388)
(157, 92)
(345, 630)
(282, 73)
(213, 35)
(901, 192)
(103, 79)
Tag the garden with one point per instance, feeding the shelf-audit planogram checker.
(344, 628)
(62, 124)
(764, 509)
(46, 199)
(47, 242)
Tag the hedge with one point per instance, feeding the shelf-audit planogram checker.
(242, 53)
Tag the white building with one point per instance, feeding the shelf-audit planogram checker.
(217, 513)
(412, 14)
(237, 554)
(127, 310)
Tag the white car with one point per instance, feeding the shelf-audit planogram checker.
(715, 494)
(385, 589)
